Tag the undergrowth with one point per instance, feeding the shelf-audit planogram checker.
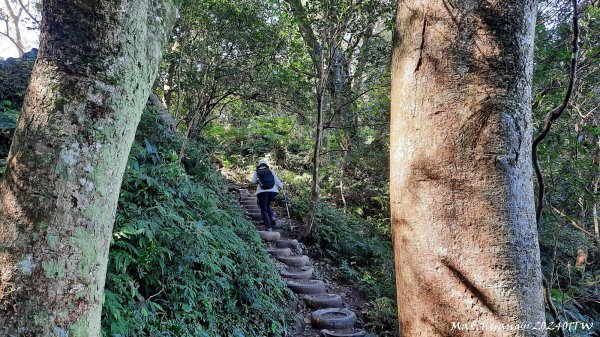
(183, 260)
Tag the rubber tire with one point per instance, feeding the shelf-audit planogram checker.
(319, 319)
(277, 252)
(269, 236)
(293, 244)
(262, 224)
(343, 333)
(320, 301)
(254, 216)
(294, 261)
(306, 286)
(302, 273)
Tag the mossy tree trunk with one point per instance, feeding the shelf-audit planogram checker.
(465, 237)
(58, 199)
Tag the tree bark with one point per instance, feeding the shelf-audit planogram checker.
(315, 189)
(595, 210)
(465, 238)
(97, 62)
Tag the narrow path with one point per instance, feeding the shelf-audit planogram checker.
(329, 316)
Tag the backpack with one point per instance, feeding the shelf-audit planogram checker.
(266, 179)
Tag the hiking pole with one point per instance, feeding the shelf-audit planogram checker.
(287, 202)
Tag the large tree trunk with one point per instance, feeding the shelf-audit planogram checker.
(465, 237)
(58, 199)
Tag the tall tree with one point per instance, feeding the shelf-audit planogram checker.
(465, 238)
(58, 198)
(339, 35)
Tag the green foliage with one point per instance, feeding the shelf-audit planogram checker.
(569, 158)
(8, 115)
(383, 316)
(243, 141)
(218, 58)
(2, 167)
(573, 288)
(14, 77)
(184, 261)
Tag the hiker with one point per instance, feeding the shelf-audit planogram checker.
(266, 189)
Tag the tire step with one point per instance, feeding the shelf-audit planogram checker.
(321, 301)
(297, 273)
(275, 225)
(255, 216)
(293, 244)
(269, 236)
(294, 261)
(333, 318)
(306, 286)
(344, 333)
(262, 228)
(276, 252)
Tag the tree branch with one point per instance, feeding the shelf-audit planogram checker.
(574, 223)
(26, 9)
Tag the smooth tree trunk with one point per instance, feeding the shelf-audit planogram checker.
(464, 230)
(58, 199)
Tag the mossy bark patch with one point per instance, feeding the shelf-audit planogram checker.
(93, 75)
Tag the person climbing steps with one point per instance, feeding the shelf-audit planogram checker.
(266, 190)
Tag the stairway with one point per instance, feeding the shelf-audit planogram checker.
(329, 315)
